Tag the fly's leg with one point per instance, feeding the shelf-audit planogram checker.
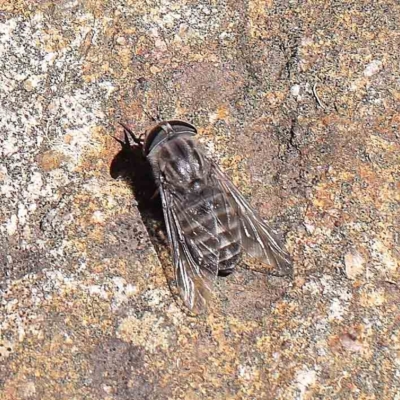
(155, 194)
(124, 143)
(137, 139)
(155, 118)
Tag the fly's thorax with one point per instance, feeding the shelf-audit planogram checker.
(181, 163)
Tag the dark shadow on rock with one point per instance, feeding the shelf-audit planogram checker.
(131, 166)
(120, 367)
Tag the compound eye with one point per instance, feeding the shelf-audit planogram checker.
(154, 136)
(166, 129)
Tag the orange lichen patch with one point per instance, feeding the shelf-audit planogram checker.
(87, 43)
(332, 119)
(256, 265)
(151, 270)
(378, 190)
(48, 358)
(18, 388)
(324, 198)
(371, 297)
(125, 56)
(222, 113)
(134, 111)
(96, 234)
(2, 176)
(68, 138)
(98, 158)
(91, 72)
(206, 131)
(17, 7)
(377, 144)
(275, 99)
(257, 10)
(54, 40)
(80, 245)
(369, 174)
(96, 209)
(92, 213)
(285, 308)
(143, 45)
(238, 327)
(50, 160)
(237, 174)
(87, 72)
(97, 268)
(265, 344)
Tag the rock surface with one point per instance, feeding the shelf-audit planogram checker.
(298, 102)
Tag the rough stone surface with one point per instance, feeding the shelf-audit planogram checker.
(299, 103)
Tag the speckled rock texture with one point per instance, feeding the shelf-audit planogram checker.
(298, 101)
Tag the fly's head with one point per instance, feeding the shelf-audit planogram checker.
(164, 131)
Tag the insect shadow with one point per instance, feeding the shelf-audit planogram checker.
(131, 166)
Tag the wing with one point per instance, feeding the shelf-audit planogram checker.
(258, 239)
(195, 261)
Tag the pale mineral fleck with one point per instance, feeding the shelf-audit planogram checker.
(373, 68)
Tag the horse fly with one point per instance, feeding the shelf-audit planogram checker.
(209, 223)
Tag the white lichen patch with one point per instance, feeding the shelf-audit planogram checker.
(43, 104)
(373, 68)
(383, 260)
(6, 33)
(115, 289)
(28, 389)
(204, 22)
(337, 310)
(156, 297)
(305, 379)
(53, 284)
(247, 372)
(35, 185)
(12, 225)
(6, 348)
(22, 213)
(122, 292)
(9, 146)
(354, 264)
(98, 290)
(98, 217)
(78, 114)
(295, 91)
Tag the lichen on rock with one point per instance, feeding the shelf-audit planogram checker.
(297, 101)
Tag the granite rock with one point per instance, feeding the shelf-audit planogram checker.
(299, 104)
